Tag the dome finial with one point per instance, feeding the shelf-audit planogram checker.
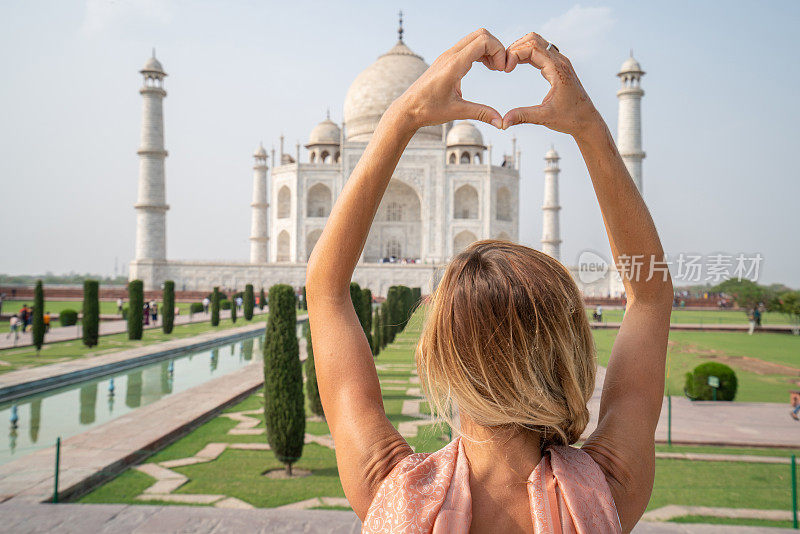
(631, 52)
(400, 28)
(154, 52)
(328, 114)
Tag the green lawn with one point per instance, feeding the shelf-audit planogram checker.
(730, 521)
(684, 316)
(56, 306)
(749, 356)
(238, 473)
(24, 357)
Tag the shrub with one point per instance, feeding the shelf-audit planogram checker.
(406, 305)
(136, 304)
(262, 300)
(697, 387)
(196, 307)
(225, 304)
(91, 312)
(168, 307)
(215, 298)
(377, 331)
(312, 388)
(68, 317)
(222, 296)
(249, 302)
(38, 316)
(284, 413)
(416, 295)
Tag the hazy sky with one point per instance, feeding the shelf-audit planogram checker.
(720, 115)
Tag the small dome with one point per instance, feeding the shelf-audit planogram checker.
(631, 65)
(464, 133)
(260, 152)
(153, 65)
(325, 133)
(552, 154)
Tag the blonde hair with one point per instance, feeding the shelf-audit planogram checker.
(507, 341)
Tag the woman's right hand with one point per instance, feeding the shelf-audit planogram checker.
(566, 107)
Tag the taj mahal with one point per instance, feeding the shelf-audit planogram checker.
(448, 190)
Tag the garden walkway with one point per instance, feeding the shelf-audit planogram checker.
(68, 333)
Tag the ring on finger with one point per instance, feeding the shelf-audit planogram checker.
(551, 46)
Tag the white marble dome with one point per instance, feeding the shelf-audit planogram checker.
(464, 133)
(152, 65)
(631, 65)
(260, 152)
(377, 87)
(325, 133)
(551, 154)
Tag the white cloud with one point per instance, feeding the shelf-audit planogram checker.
(581, 32)
(103, 15)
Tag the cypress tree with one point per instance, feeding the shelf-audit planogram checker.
(262, 300)
(249, 302)
(135, 309)
(365, 315)
(91, 312)
(395, 311)
(284, 413)
(233, 312)
(386, 331)
(304, 304)
(312, 388)
(406, 305)
(215, 298)
(168, 307)
(377, 330)
(38, 316)
(416, 295)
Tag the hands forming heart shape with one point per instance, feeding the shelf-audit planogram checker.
(436, 96)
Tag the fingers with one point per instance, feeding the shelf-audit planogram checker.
(532, 49)
(480, 46)
(530, 115)
(479, 112)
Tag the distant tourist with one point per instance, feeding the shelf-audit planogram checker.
(13, 328)
(24, 313)
(206, 304)
(154, 311)
(598, 314)
(794, 411)
(757, 316)
(146, 314)
(119, 306)
(46, 319)
(239, 302)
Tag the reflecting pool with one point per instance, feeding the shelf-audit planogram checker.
(73, 409)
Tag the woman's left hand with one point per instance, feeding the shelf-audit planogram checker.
(435, 97)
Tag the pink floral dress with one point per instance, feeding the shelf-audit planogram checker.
(429, 493)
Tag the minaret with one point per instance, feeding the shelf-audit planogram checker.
(258, 227)
(151, 206)
(551, 232)
(629, 124)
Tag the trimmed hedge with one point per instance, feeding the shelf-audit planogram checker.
(262, 299)
(135, 309)
(225, 304)
(312, 388)
(249, 302)
(38, 316)
(215, 298)
(377, 333)
(284, 412)
(697, 387)
(196, 307)
(168, 307)
(68, 317)
(91, 312)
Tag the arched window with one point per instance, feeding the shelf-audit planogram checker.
(311, 241)
(452, 158)
(284, 247)
(284, 202)
(318, 201)
(338, 157)
(462, 240)
(465, 203)
(465, 157)
(477, 159)
(313, 156)
(325, 156)
(393, 248)
(503, 204)
(394, 211)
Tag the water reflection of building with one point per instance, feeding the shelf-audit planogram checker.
(133, 390)
(88, 404)
(36, 417)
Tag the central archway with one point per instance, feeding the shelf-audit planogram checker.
(397, 227)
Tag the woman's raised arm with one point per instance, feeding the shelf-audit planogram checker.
(623, 443)
(367, 445)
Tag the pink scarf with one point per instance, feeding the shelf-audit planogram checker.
(429, 493)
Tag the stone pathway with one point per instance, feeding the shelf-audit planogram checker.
(672, 511)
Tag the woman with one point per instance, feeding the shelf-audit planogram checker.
(506, 341)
